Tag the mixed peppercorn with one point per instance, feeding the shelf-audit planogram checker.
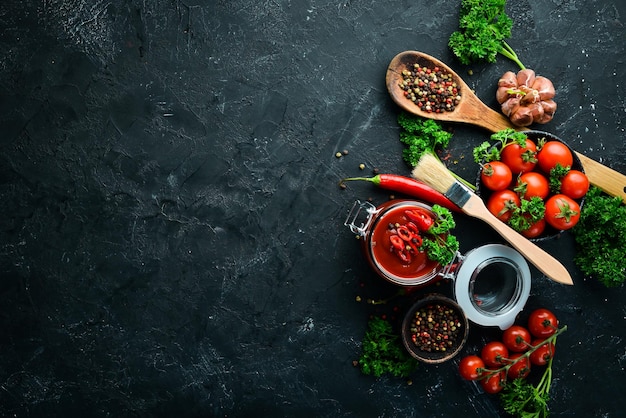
(432, 90)
(436, 328)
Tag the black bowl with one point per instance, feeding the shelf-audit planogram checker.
(534, 135)
(444, 343)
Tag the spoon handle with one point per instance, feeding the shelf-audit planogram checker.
(478, 113)
(607, 179)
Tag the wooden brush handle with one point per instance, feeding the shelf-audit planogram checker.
(547, 264)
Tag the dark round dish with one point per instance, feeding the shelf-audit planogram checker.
(535, 135)
(434, 329)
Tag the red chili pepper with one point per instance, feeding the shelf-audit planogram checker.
(404, 256)
(422, 219)
(417, 240)
(409, 187)
(396, 242)
(415, 244)
(413, 228)
(404, 233)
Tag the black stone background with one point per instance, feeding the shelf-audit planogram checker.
(172, 239)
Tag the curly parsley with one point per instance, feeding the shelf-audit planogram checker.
(382, 351)
(421, 136)
(483, 28)
(486, 151)
(600, 237)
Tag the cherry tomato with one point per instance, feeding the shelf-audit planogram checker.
(562, 212)
(542, 354)
(496, 175)
(494, 354)
(516, 338)
(575, 184)
(471, 367)
(520, 159)
(553, 153)
(536, 229)
(494, 383)
(502, 204)
(532, 184)
(542, 323)
(520, 368)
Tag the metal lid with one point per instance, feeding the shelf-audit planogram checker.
(492, 285)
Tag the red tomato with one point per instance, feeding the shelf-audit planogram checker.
(532, 184)
(575, 184)
(535, 229)
(519, 159)
(542, 323)
(502, 204)
(496, 175)
(494, 383)
(516, 338)
(471, 367)
(520, 368)
(542, 354)
(494, 354)
(553, 153)
(562, 212)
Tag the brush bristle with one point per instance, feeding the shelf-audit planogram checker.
(431, 171)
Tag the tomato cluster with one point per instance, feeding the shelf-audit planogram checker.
(533, 187)
(512, 357)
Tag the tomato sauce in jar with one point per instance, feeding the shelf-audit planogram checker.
(380, 253)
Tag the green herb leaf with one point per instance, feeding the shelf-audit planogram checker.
(382, 351)
(487, 152)
(484, 27)
(421, 136)
(439, 247)
(556, 176)
(441, 250)
(600, 237)
(529, 212)
(444, 221)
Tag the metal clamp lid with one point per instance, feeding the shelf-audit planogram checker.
(354, 214)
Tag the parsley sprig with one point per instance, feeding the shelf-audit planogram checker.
(382, 351)
(438, 246)
(423, 136)
(484, 27)
(486, 151)
(600, 237)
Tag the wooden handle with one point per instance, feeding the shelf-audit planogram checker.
(605, 178)
(547, 264)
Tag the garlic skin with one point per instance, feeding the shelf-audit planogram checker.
(526, 98)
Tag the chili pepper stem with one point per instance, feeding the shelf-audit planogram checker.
(375, 179)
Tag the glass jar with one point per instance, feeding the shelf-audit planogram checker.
(491, 283)
(375, 234)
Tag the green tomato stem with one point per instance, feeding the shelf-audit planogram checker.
(550, 339)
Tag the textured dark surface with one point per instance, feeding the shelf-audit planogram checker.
(172, 239)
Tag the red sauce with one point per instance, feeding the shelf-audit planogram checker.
(381, 256)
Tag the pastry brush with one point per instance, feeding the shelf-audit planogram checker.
(431, 171)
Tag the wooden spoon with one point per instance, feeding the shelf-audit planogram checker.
(473, 111)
